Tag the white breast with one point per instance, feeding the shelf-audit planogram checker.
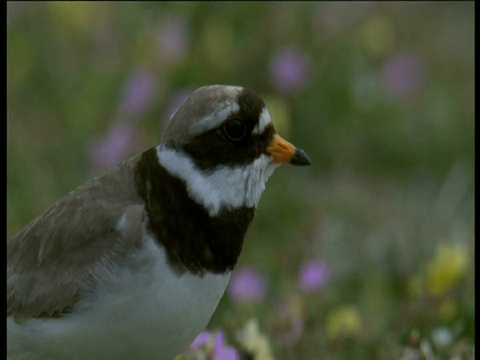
(142, 310)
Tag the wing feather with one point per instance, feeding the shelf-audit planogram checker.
(51, 262)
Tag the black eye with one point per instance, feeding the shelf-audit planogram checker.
(234, 129)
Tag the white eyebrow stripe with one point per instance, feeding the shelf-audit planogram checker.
(263, 122)
(213, 120)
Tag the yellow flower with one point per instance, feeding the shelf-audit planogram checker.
(378, 36)
(279, 112)
(255, 342)
(447, 309)
(343, 321)
(415, 287)
(74, 16)
(217, 40)
(446, 269)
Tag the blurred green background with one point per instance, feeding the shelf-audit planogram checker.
(381, 97)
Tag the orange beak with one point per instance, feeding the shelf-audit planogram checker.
(285, 153)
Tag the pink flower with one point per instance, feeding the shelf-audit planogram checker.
(247, 285)
(404, 73)
(138, 93)
(221, 351)
(201, 339)
(290, 70)
(114, 146)
(313, 276)
(226, 353)
(175, 102)
(173, 39)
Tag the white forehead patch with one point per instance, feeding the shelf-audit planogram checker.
(223, 187)
(263, 122)
(211, 121)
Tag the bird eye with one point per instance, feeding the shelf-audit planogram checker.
(234, 129)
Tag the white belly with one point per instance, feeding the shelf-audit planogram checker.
(149, 313)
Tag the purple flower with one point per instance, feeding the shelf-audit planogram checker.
(114, 146)
(404, 73)
(313, 276)
(226, 353)
(247, 285)
(173, 39)
(291, 312)
(221, 351)
(219, 340)
(200, 340)
(290, 70)
(138, 93)
(175, 102)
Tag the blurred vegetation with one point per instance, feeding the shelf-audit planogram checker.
(381, 97)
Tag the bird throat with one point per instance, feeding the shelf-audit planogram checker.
(194, 240)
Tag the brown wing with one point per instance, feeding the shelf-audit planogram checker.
(50, 263)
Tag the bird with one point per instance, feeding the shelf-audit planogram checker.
(133, 263)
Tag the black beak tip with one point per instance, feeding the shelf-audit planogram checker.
(300, 158)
